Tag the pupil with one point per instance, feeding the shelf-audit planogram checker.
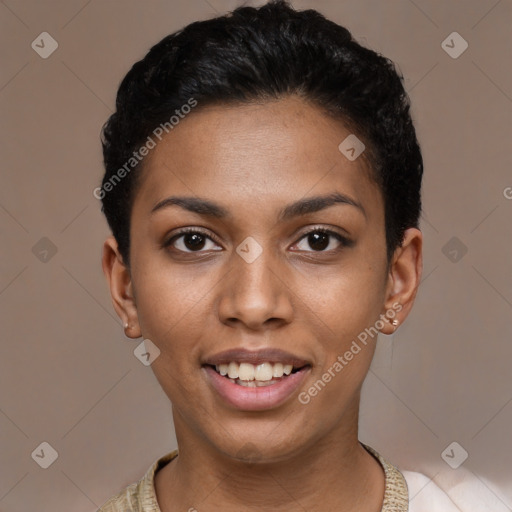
(318, 241)
(194, 241)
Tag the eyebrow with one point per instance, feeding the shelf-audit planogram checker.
(302, 207)
(316, 204)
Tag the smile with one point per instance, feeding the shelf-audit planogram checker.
(255, 387)
(248, 374)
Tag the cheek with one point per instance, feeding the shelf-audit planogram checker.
(345, 301)
(169, 308)
(171, 315)
(167, 296)
(343, 310)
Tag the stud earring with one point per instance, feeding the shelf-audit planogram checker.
(126, 326)
(394, 322)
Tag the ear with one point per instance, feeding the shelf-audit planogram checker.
(121, 290)
(403, 280)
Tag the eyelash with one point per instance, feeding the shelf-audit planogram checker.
(344, 241)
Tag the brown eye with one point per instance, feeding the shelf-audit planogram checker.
(318, 241)
(194, 241)
(191, 240)
(321, 239)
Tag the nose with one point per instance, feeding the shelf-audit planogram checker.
(256, 295)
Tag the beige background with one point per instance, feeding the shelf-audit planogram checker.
(68, 374)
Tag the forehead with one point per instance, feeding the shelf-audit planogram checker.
(245, 154)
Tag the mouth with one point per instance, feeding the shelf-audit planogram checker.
(253, 376)
(255, 381)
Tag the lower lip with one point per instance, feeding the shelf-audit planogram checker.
(258, 398)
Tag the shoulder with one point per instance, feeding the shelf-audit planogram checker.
(448, 491)
(452, 491)
(425, 495)
(139, 496)
(125, 501)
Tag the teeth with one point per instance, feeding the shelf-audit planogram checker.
(233, 370)
(263, 372)
(254, 383)
(277, 370)
(246, 372)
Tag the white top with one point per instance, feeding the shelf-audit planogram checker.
(455, 491)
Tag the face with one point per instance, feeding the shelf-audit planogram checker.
(283, 262)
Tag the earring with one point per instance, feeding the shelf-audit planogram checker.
(394, 322)
(126, 326)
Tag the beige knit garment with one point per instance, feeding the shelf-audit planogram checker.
(141, 497)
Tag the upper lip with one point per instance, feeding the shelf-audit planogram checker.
(267, 355)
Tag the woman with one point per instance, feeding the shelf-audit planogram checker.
(262, 185)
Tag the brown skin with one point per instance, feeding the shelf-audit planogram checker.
(253, 160)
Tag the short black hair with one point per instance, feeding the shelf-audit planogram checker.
(266, 53)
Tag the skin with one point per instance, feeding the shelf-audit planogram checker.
(253, 160)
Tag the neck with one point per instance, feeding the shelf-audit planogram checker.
(334, 473)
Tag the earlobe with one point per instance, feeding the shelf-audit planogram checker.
(120, 285)
(403, 279)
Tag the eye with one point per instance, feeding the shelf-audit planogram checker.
(321, 240)
(191, 240)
